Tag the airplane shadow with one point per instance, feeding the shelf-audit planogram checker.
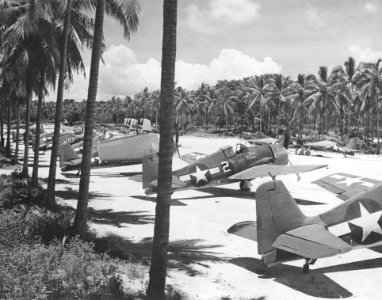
(118, 218)
(183, 255)
(357, 265)
(313, 284)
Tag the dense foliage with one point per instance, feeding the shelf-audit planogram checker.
(39, 261)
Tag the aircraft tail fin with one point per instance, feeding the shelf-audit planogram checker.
(66, 153)
(277, 213)
(149, 169)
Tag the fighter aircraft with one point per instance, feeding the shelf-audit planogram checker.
(114, 151)
(224, 166)
(349, 149)
(284, 233)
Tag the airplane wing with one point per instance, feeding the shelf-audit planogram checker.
(346, 185)
(322, 144)
(264, 141)
(192, 157)
(273, 170)
(311, 241)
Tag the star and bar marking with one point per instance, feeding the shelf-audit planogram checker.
(367, 221)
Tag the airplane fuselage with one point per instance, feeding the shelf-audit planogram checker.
(216, 168)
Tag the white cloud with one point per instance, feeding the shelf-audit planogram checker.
(221, 13)
(313, 17)
(371, 7)
(365, 54)
(123, 74)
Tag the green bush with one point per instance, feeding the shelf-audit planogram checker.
(67, 269)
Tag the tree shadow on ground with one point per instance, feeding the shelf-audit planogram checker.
(315, 283)
(118, 218)
(70, 194)
(58, 181)
(174, 202)
(182, 255)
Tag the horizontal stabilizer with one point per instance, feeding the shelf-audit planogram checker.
(137, 178)
(246, 229)
(273, 170)
(311, 241)
(176, 183)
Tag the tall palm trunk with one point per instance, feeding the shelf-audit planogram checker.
(158, 269)
(16, 156)
(2, 127)
(80, 221)
(58, 114)
(8, 145)
(377, 121)
(26, 133)
(38, 134)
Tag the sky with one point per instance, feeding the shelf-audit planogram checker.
(232, 39)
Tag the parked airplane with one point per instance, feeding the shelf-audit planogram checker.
(114, 151)
(284, 233)
(349, 149)
(224, 166)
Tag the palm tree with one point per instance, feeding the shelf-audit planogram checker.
(320, 99)
(157, 283)
(368, 80)
(259, 86)
(126, 12)
(280, 90)
(350, 71)
(298, 104)
(183, 105)
(51, 200)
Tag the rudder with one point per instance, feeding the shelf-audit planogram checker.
(276, 212)
(149, 169)
(66, 153)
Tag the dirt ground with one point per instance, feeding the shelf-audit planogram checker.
(206, 262)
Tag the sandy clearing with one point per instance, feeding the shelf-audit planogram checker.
(206, 262)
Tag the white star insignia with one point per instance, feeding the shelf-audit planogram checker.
(349, 181)
(199, 175)
(368, 222)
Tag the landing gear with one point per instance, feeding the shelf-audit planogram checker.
(307, 153)
(245, 185)
(308, 261)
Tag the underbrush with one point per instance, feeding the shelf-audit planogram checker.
(39, 261)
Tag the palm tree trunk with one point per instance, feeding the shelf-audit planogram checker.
(58, 114)
(16, 156)
(158, 269)
(80, 221)
(38, 134)
(377, 117)
(2, 127)
(8, 145)
(261, 117)
(26, 133)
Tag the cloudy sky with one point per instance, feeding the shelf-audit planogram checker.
(232, 39)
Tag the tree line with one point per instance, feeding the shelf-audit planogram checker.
(348, 98)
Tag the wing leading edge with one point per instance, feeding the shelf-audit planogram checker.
(273, 170)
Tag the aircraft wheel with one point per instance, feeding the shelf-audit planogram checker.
(245, 185)
(307, 153)
(300, 152)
